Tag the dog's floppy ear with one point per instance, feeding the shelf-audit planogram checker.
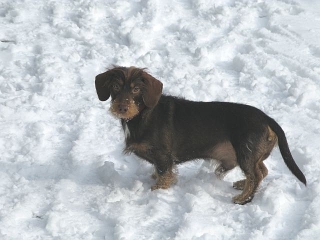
(102, 85)
(152, 91)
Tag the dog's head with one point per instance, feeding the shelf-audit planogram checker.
(131, 90)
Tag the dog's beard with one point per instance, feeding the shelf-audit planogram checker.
(133, 110)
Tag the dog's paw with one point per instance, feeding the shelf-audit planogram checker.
(157, 186)
(164, 181)
(239, 185)
(154, 176)
(127, 150)
(154, 187)
(240, 199)
(220, 172)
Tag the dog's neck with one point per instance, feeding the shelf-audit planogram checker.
(134, 127)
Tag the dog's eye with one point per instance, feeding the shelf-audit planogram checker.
(116, 87)
(135, 89)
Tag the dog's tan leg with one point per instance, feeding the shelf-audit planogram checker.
(263, 169)
(250, 184)
(154, 175)
(257, 171)
(239, 185)
(222, 170)
(225, 154)
(164, 180)
(248, 189)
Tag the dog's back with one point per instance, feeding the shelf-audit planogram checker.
(197, 126)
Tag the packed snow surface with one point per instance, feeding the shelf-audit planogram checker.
(63, 174)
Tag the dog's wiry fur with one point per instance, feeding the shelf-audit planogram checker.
(166, 130)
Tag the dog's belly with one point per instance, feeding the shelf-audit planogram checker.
(223, 152)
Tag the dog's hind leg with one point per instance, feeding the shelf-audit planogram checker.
(225, 154)
(263, 169)
(222, 170)
(250, 159)
(250, 156)
(239, 185)
(254, 176)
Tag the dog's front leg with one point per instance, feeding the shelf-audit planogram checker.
(164, 180)
(164, 174)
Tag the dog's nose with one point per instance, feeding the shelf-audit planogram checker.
(122, 108)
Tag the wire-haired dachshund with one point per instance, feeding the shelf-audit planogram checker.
(166, 130)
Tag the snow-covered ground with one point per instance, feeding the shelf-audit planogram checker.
(63, 174)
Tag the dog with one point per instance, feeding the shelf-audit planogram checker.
(166, 130)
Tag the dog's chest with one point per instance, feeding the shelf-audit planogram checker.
(132, 131)
(126, 131)
(140, 147)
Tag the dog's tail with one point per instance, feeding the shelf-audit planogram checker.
(285, 151)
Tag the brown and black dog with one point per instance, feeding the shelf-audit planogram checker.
(166, 130)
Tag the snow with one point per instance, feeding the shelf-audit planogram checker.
(63, 174)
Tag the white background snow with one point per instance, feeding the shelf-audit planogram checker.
(62, 171)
